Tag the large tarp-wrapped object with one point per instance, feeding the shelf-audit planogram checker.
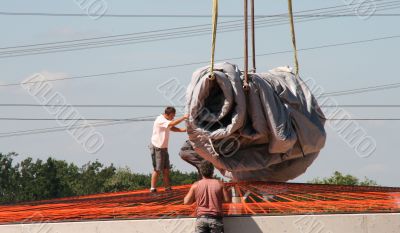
(271, 132)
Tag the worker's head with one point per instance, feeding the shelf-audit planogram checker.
(169, 113)
(206, 169)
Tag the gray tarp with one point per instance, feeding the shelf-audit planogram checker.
(273, 132)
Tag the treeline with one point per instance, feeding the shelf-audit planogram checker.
(31, 180)
(344, 179)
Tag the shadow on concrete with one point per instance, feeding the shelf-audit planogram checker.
(241, 224)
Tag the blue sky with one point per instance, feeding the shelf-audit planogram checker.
(337, 68)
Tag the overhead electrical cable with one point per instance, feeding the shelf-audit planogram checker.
(202, 62)
(161, 30)
(181, 106)
(5, 13)
(108, 123)
(113, 120)
(70, 127)
(145, 37)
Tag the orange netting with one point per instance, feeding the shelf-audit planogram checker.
(258, 198)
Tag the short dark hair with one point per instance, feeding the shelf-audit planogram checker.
(206, 169)
(168, 110)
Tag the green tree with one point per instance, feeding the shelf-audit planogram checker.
(9, 177)
(124, 180)
(92, 178)
(181, 178)
(339, 179)
(40, 180)
(31, 180)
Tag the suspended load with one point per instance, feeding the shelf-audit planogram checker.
(252, 126)
(271, 131)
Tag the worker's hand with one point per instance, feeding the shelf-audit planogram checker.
(186, 116)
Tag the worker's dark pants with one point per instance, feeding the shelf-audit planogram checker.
(188, 154)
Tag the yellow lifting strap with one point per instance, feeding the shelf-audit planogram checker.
(214, 36)
(253, 37)
(246, 45)
(296, 61)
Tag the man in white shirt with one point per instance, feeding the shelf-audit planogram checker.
(159, 145)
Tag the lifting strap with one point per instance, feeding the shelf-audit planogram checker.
(246, 43)
(253, 37)
(214, 36)
(296, 61)
(246, 49)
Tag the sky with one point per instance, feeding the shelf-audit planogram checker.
(333, 68)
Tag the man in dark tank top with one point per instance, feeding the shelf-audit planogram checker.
(209, 195)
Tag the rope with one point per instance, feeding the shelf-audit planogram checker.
(282, 199)
(214, 36)
(296, 61)
(253, 36)
(246, 49)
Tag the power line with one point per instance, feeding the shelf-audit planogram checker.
(68, 119)
(204, 62)
(159, 30)
(63, 128)
(124, 41)
(119, 41)
(130, 120)
(120, 121)
(90, 105)
(101, 124)
(181, 106)
(363, 106)
(104, 120)
(150, 37)
(176, 15)
(364, 119)
(362, 90)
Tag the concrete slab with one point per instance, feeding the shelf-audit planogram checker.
(338, 223)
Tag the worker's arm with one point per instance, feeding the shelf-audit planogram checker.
(179, 130)
(227, 195)
(190, 199)
(178, 121)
